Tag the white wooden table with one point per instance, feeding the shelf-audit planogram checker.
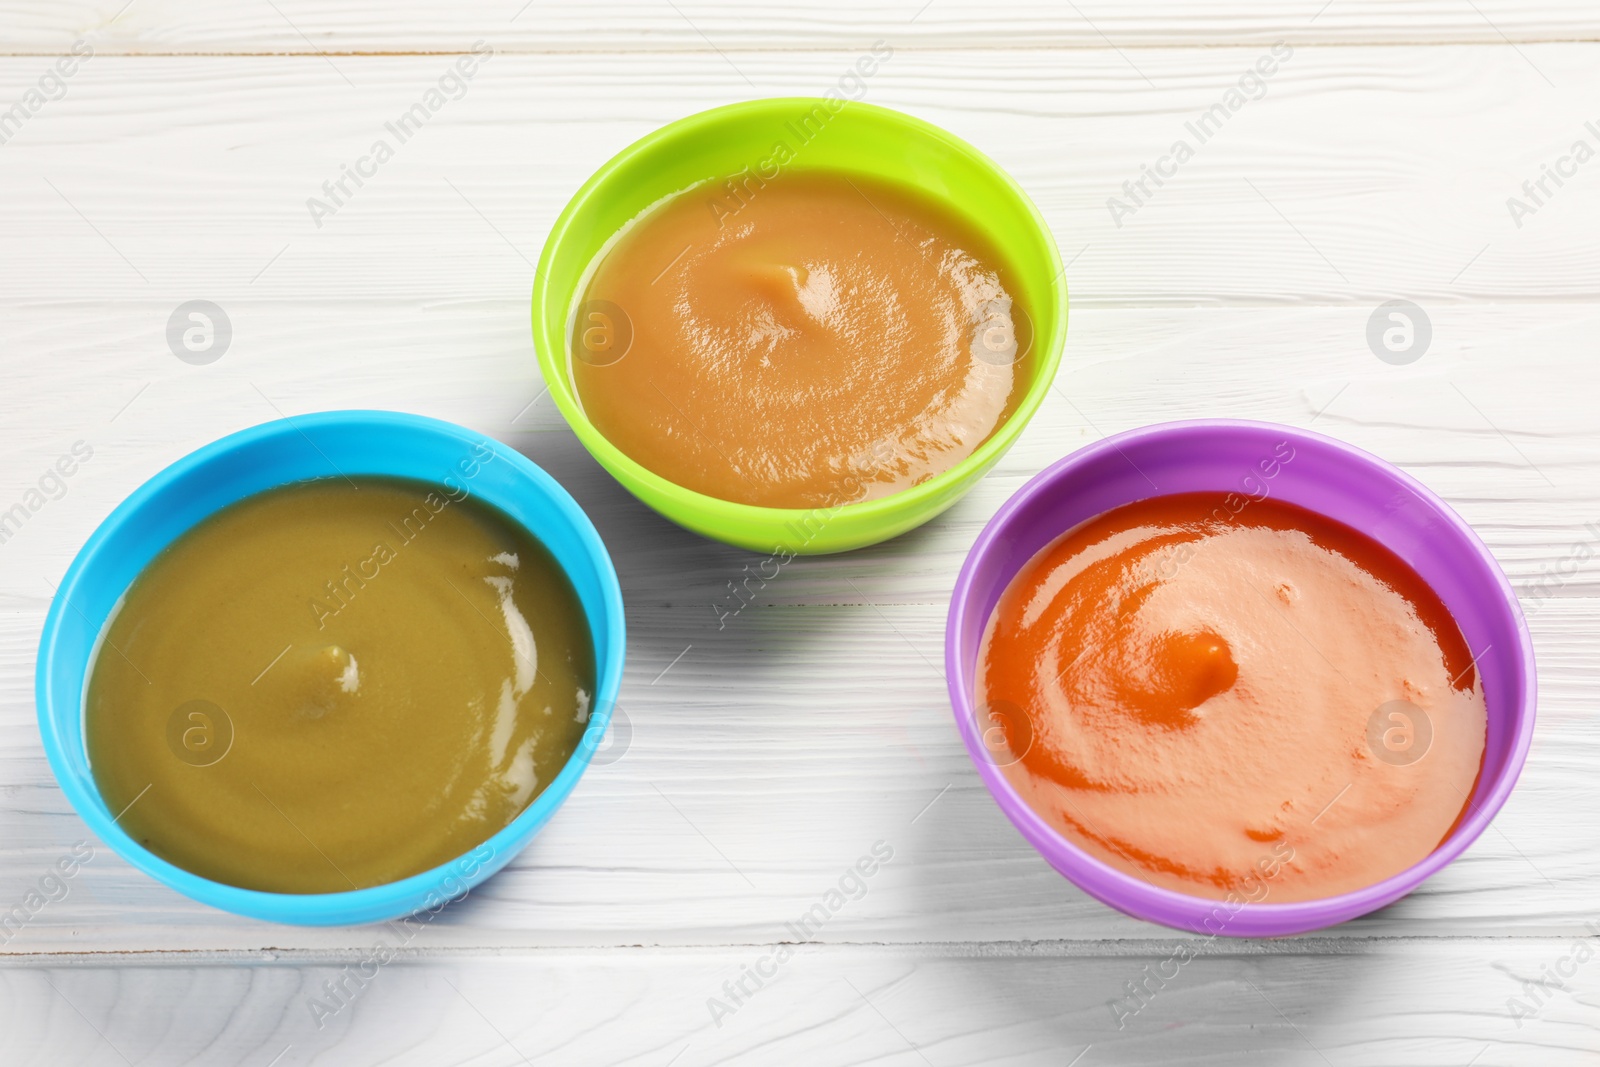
(765, 758)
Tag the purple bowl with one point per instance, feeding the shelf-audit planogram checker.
(1325, 476)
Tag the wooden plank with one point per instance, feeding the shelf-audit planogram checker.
(1475, 418)
(1362, 175)
(166, 26)
(1376, 1003)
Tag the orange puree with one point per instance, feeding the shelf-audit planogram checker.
(1263, 703)
(801, 342)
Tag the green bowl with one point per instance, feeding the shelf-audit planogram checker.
(823, 134)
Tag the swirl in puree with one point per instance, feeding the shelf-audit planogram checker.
(1264, 703)
(808, 341)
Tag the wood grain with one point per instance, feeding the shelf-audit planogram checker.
(343, 26)
(1363, 174)
(1376, 1004)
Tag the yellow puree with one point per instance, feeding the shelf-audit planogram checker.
(337, 684)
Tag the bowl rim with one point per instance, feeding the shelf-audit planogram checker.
(1183, 911)
(391, 899)
(550, 342)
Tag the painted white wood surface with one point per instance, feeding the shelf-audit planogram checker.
(815, 723)
(606, 26)
(1373, 1005)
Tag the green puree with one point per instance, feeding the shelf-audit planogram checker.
(337, 684)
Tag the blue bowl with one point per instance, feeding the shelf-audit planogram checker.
(275, 453)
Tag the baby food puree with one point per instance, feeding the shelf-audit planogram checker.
(1262, 702)
(337, 684)
(805, 341)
